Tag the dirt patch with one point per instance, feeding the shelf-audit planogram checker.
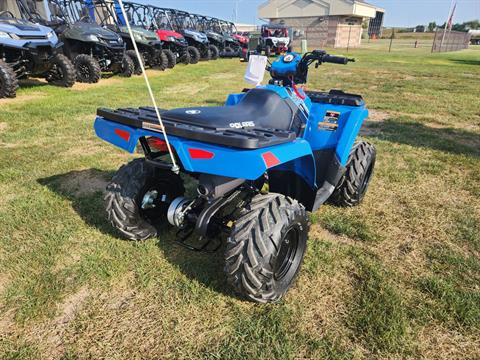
(22, 99)
(378, 116)
(439, 343)
(3, 127)
(225, 76)
(85, 86)
(85, 182)
(188, 89)
(371, 126)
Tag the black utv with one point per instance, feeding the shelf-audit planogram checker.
(29, 50)
(198, 42)
(107, 13)
(92, 48)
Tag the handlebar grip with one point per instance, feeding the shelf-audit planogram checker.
(335, 59)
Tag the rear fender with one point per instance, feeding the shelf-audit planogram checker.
(212, 159)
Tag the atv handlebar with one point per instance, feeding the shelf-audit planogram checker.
(336, 59)
(322, 57)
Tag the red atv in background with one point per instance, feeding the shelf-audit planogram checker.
(275, 39)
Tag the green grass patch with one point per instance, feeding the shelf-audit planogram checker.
(378, 314)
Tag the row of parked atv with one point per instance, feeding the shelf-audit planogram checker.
(65, 41)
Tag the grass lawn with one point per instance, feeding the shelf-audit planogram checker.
(397, 277)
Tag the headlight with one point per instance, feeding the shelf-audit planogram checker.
(93, 38)
(172, 38)
(4, 34)
(50, 34)
(139, 37)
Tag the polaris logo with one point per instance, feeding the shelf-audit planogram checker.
(193, 112)
(240, 125)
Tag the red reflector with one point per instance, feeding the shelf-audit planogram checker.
(270, 159)
(157, 144)
(200, 154)
(125, 135)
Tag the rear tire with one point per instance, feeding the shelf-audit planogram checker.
(266, 247)
(353, 185)
(193, 54)
(8, 81)
(87, 69)
(128, 67)
(172, 58)
(125, 194)
(62, 72)
(229, 51)
(214, 52)
(137, 69)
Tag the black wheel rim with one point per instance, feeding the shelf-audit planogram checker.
(84, 71)
(286, 254)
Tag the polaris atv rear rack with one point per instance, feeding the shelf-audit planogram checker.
(145, 118)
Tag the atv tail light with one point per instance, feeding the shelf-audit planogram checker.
(270, 159)
(125, 135)
(157, 144)
(200, 154)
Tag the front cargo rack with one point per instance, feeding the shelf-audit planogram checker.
(145, 118)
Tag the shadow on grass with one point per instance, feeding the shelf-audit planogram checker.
(85, 190)
(450, 140)
(466, 62)
(32, 83)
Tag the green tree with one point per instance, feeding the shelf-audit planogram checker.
(432, 26)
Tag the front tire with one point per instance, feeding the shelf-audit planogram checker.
(193, 54)
(214, 52)
(137, 69)
(87, 69)
(266, 247)
(8, 81)
(353, 185)
(172, 58)
(126, 192)
(127, 67)
(62, 72)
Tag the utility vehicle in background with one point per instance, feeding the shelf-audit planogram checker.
(29, 50)
(91, 48)
(219, 36)
(199, 46)
(260, 162)
(274, 40)
(107, 13)
(175, 47)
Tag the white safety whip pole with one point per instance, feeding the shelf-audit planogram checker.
(175, 167)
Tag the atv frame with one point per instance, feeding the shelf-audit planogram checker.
(298, 150)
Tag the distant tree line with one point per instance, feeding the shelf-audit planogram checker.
(468, 25)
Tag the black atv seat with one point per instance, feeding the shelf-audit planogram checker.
(212, 124)
(259, 108)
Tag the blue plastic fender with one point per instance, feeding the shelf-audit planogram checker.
(223, 161)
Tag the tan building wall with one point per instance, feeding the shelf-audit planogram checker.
(329, 31)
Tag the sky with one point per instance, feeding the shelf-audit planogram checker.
(398, 12)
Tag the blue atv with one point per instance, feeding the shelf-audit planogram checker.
(30, 50)
(260, 162)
